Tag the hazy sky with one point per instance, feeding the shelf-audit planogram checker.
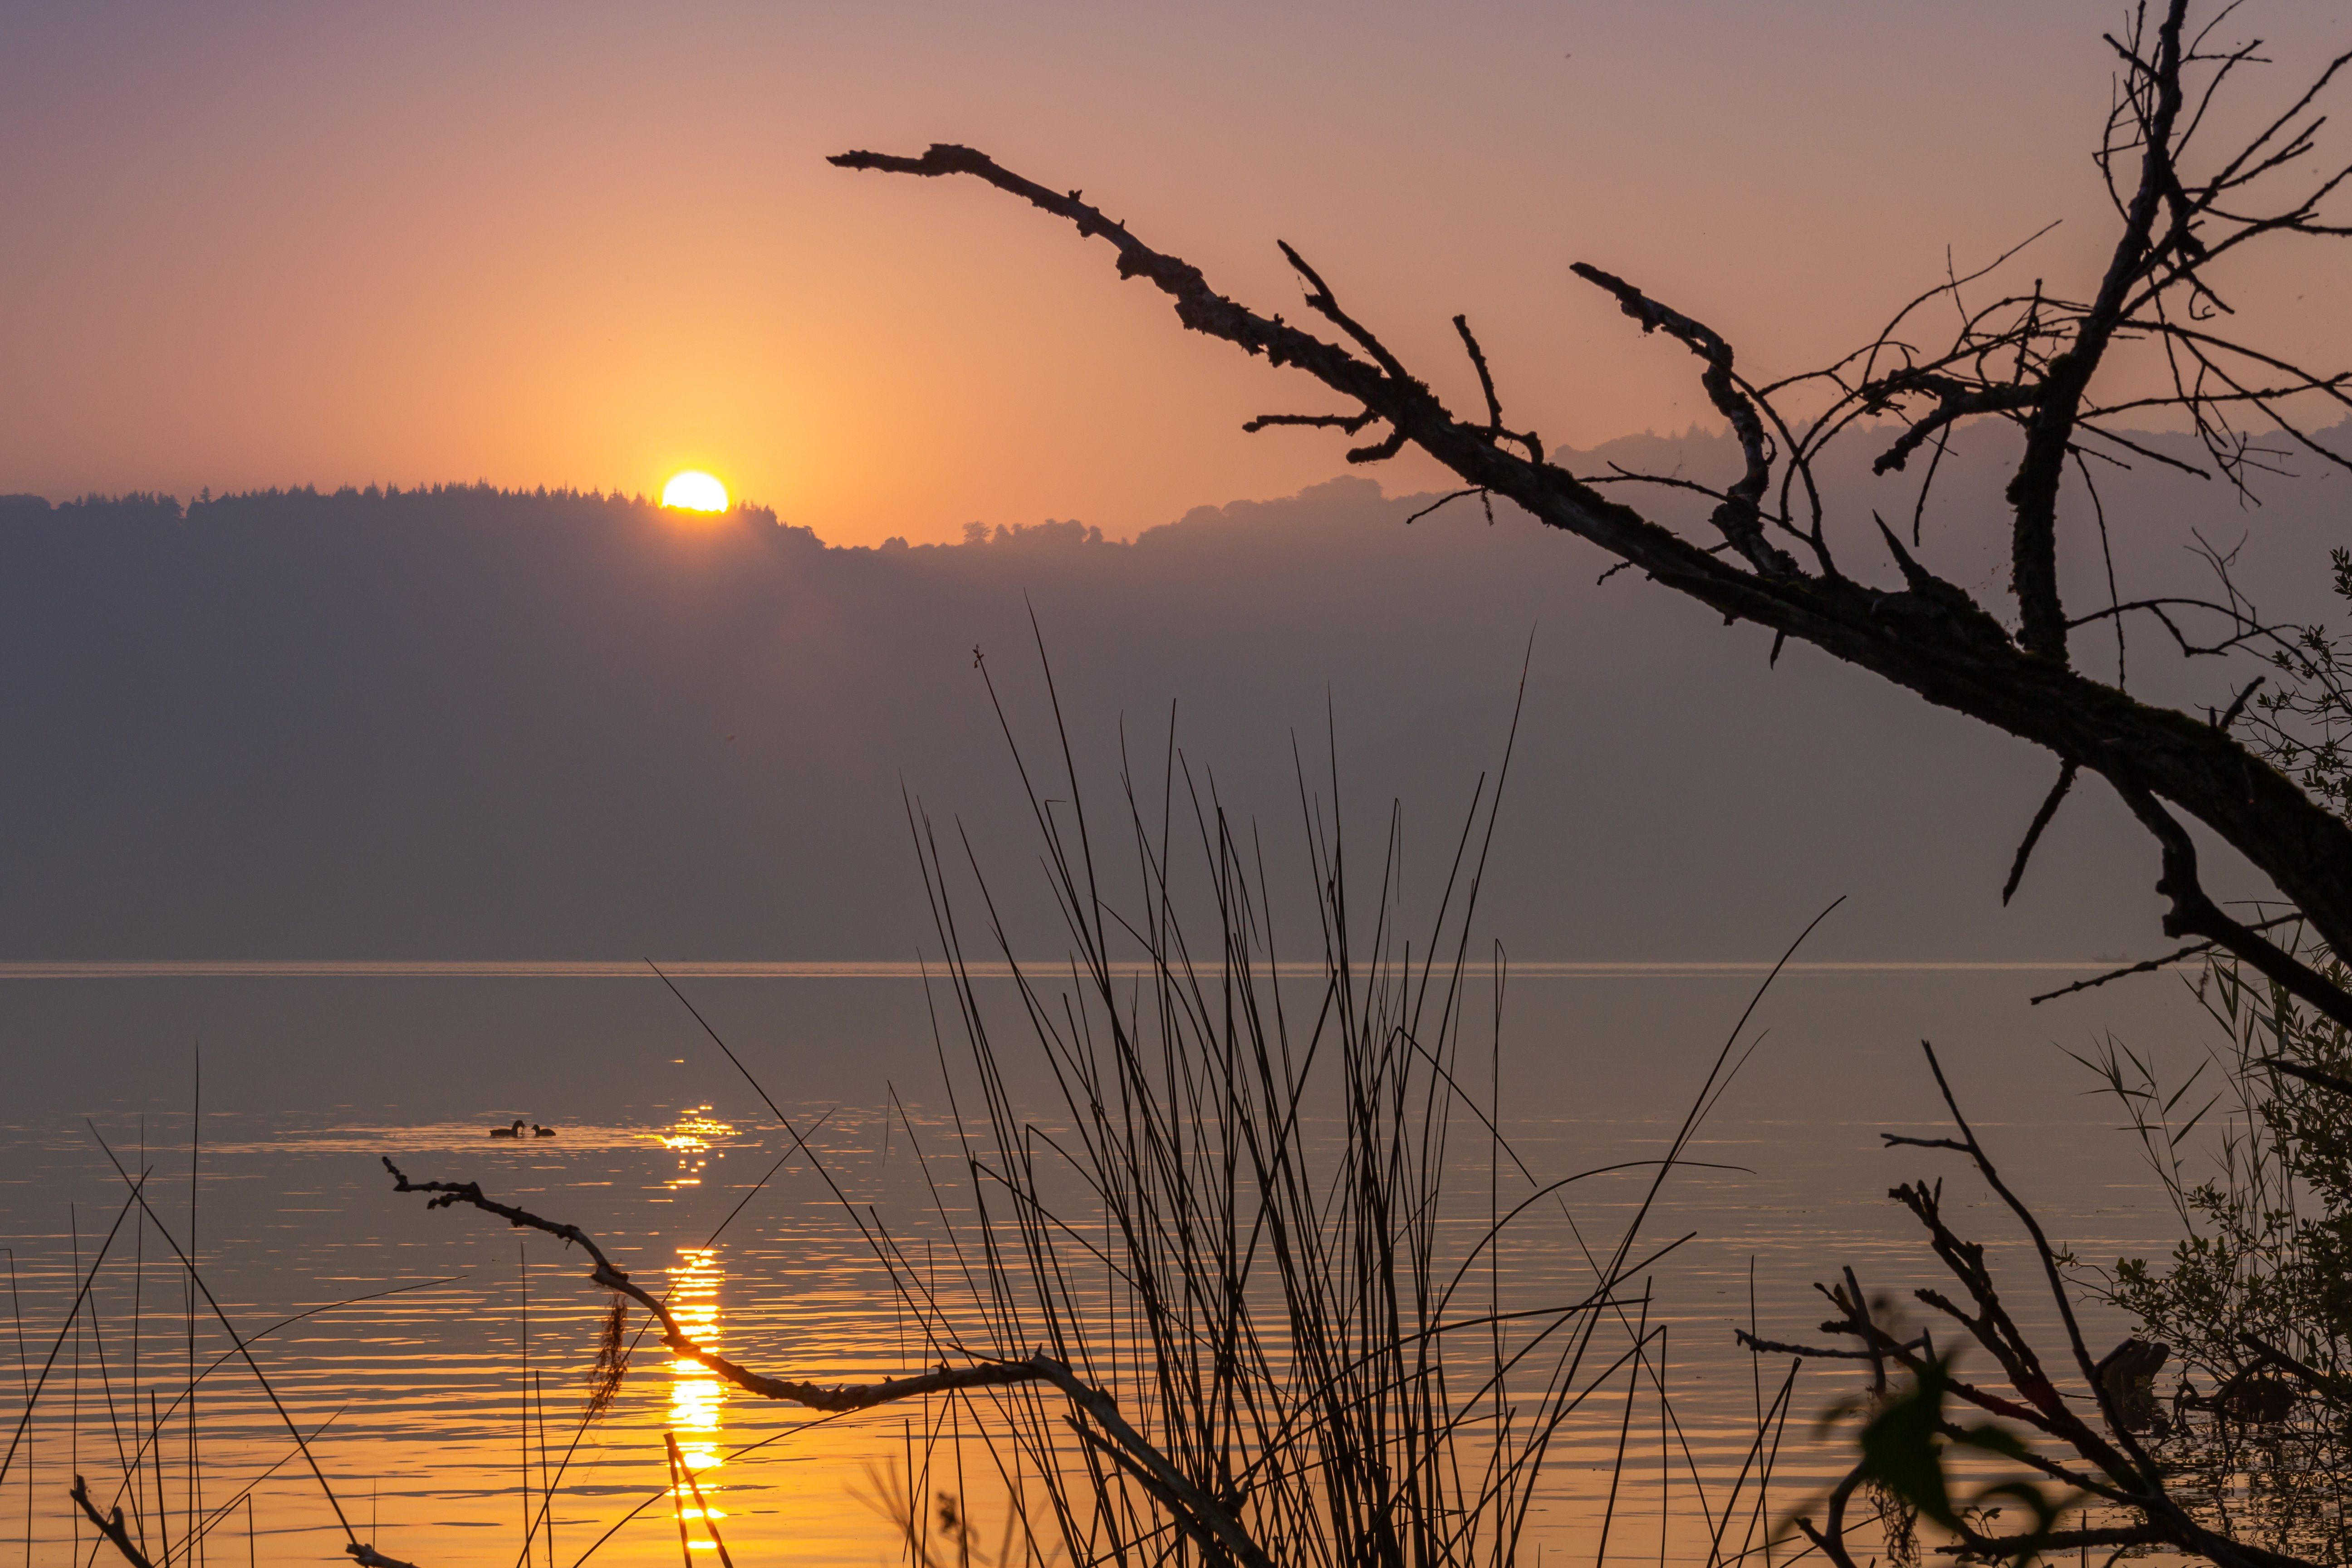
(251, 245)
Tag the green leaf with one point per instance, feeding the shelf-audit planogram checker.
(1902, 1451)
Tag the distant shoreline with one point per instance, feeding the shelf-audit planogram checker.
(901, 969)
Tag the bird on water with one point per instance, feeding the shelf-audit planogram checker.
(513, 1132)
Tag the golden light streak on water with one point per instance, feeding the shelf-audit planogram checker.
(698, 1399)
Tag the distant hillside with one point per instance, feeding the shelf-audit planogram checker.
(462, 722)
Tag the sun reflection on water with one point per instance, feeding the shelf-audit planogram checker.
(695, 1397)
(691, 1136)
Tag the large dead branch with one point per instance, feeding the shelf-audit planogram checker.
(2031, 359)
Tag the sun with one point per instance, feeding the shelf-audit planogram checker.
(694, 491)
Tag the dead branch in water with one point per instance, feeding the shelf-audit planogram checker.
(816, 1396)
(368, 1557)
(1195, 1511)
(109, 1525)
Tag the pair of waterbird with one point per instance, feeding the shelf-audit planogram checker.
(515, 1131)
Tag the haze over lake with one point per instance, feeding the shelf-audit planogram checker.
(464, 725)
(378, 801)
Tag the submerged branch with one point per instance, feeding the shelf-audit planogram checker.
(109, 1525)
(816, 1396)
(1212, 1526)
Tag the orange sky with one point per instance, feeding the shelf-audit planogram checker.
(539, 244)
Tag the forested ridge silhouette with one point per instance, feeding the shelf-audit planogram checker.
(566, 723)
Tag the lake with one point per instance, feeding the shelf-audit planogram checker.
(445, 1416)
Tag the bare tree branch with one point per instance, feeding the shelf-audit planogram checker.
(1494, 405)
(2193, 913)
(2029, 357)
(2033, 833)
(109, 1525)
(2034, 492)
(1740, 517)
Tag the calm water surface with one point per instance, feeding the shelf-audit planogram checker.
(445, 1416)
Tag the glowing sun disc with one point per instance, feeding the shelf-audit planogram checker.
(693, 492)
